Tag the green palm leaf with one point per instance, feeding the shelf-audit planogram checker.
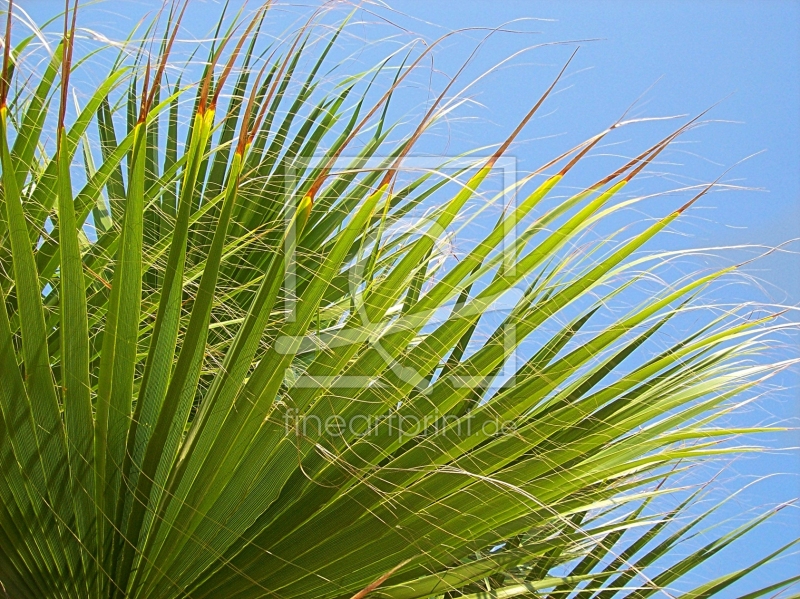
(244, 366)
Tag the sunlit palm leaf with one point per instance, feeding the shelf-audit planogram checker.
(172, 325)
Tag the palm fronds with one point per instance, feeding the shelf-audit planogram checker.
(243, 364)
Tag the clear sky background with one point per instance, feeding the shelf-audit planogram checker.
(686, 56)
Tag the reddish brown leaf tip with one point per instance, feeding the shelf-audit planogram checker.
(686, 206)
(378, 582)
(5, 84)
(501, 150)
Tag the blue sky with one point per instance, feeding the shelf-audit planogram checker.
(684, 56)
